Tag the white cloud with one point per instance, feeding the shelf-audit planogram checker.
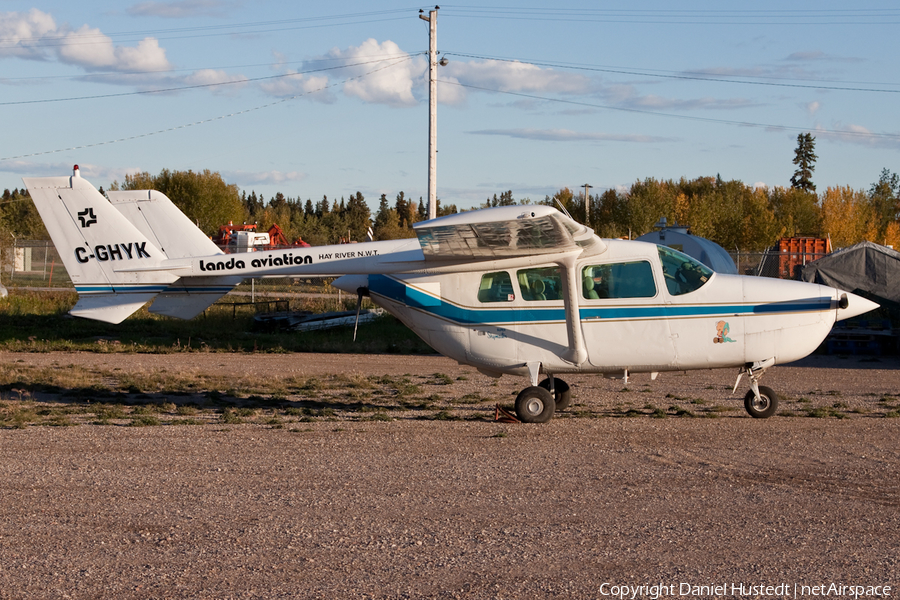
(819, 56)
(247, 178)
(812, 107)
(98, 175)
(627, 96)
(215, 78)
(35, 35)
(298, 84)
(180, 9)
(389, 82)
(514, 76)
(566, 135)
(857, 135)
(525, 78)
(21, 33)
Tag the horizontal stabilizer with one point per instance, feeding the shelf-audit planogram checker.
(110, 308)
(190, 296)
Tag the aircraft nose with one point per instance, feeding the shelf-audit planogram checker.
(851, 305)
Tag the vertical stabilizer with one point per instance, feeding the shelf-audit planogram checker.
(93, 240)
(157, 217)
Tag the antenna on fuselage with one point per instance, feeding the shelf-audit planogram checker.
(563, 208)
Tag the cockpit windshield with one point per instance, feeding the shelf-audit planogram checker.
(683, 274)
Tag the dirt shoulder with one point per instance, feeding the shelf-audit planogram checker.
(413, 507)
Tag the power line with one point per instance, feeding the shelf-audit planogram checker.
(689, 77)
(860, 134)
(197, 86)
(841, 17)
(73, 38)
(210, 120)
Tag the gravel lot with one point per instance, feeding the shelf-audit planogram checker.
(414, 507)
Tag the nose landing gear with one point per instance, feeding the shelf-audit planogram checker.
(760, 402)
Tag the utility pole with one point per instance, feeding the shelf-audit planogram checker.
(587, 205)
(432, 110)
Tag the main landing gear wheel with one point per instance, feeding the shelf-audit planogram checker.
(765, 406)
(563, 395)
(535, 405)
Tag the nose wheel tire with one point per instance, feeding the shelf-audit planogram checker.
(563, 395)
(765, 406)
(535, 405)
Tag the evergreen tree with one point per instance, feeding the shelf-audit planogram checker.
(805, 159)
(423, 209)
(357, 217)
(401, 205)
(884, 197)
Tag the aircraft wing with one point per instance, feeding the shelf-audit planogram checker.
(502, 232)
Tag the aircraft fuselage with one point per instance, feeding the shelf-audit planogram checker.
(635, 323)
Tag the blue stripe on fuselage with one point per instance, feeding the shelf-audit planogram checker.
(400, 292)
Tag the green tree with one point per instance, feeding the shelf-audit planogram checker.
(19, 217)
(387, 224)
(805, 159)
(563, 198)
(796, 211)
(610, 214)
(204, 197)
(884, 196)
(357, 217)
(759, 228)
(649, 200)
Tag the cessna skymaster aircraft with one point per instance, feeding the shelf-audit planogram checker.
(520, 290)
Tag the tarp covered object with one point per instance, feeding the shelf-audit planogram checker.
(865, 267)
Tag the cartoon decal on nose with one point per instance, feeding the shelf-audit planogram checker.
(722, 333)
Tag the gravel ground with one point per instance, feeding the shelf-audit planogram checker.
(415, 507)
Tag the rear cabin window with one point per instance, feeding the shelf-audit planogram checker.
(618, 280)
(683, 274)
(496, 287)
(540, 284)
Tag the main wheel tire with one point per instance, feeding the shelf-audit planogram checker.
(763, 408)
(562, 393)
(535, 405)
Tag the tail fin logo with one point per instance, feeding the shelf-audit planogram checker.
(87, 217)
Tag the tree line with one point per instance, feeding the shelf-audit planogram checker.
(731, 213)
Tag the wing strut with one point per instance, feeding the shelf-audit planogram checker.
(577, 352)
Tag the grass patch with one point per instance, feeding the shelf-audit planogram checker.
(43, 315)
(823, 412)
(441, 379)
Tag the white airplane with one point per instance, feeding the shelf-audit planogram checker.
(520, 290)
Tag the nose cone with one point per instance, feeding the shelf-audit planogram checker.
(351, 283)
(851, 305)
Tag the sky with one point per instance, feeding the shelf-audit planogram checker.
(316, 100)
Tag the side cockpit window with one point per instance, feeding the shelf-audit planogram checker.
(540, 284)
(618, 280)
(496, 287)
(683, 274)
